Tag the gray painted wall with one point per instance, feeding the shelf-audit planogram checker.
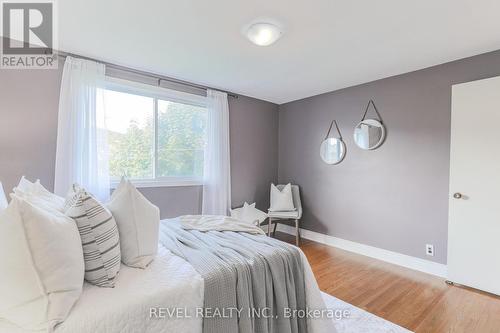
(28, 131)
(395, 197)
(28, 125)
(254, 150)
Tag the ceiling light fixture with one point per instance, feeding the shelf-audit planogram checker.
(263, 34)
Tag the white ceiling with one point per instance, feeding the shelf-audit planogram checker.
(327, 45)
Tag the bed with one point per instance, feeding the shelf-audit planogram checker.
(141, 298)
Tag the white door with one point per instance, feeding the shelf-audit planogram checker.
(474, 216)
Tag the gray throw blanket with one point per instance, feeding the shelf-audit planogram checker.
(258, 280)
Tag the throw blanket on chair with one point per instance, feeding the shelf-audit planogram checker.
(253, 281)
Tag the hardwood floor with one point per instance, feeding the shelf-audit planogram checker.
(418, 301)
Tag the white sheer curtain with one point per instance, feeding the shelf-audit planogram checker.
(217, 170)
(82, 147)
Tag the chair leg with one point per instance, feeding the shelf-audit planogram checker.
(274, 230)
(269, 227)
(297, 233)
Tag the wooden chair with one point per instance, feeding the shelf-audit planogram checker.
(290, 216)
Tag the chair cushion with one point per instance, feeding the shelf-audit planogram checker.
(284, 215)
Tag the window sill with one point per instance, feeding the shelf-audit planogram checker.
(160, 183)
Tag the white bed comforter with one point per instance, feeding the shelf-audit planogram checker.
(169, 282)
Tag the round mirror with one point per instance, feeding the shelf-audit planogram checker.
(332, 150)
(369, 134)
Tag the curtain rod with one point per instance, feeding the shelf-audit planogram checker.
(144, 73)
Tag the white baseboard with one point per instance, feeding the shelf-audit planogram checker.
(404, 260)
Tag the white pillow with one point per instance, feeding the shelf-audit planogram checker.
(138, 223)
(38, 195)
(99, 237)
(236, 213)
(3, 198)
(25, 185)
(252, 214)
(52, 199)
(248, 213)
(42, 265)
(281, 201)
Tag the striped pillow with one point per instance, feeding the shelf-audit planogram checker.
(100, 238)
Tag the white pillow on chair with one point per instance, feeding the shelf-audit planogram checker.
(42, 265)
(281, 201)
(138, 222)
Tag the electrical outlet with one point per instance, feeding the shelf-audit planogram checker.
(429, 250)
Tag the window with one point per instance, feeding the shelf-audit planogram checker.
(156, 136)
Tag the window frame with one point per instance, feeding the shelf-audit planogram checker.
(157, 93)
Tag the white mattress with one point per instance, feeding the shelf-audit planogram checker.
(169, 282)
